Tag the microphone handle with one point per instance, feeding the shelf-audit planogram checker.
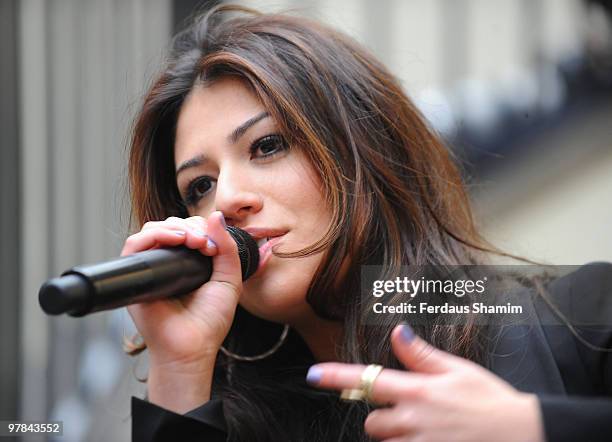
(154, 274)
(142, 276)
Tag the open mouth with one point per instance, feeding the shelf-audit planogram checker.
(265, 250)
(265, 238)
(262, 241)
(266, 243)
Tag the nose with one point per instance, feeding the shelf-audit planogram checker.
(236, 195)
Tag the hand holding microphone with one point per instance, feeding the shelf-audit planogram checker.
(166, 258)
(198, 322)
(183, 333)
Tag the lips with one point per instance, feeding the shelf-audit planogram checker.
(266, 238)
(264, 234)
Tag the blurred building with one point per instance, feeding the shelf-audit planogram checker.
(520, 89)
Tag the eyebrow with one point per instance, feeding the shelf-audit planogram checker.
(233, 138)
(241, 130)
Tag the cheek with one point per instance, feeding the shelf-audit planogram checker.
(302, 192)
(302, 178)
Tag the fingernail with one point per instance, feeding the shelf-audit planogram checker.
(210, 243)
(314, 375)
(179, 233)
(199, 232)
(222, 219)
(406, 333)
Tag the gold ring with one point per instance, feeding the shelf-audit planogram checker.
(364, 391)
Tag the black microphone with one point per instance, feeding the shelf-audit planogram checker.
(143, 276)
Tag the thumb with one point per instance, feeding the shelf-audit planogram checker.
(226, 262)
(418, 355)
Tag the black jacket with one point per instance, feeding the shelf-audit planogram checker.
(572, 380)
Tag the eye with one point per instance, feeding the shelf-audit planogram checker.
(197, 189)
(268, 146)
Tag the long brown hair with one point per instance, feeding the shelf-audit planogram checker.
(396, 191)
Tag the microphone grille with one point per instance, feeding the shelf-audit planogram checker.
(247, 251)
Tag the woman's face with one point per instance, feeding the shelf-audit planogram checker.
(230, 157)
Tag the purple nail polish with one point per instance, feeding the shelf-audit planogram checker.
(314, 375)
(179, 233)
(210, 243)
(223, 220)
(406, 334)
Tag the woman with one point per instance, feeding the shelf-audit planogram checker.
(293, 132)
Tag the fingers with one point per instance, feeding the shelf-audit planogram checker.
(390, 386)
(222, 292)
(393, 422)
(209, 236)
(418, 355)
(196, 233)
(226, 263)
(197, 223)
(173, 231)
(154, 309)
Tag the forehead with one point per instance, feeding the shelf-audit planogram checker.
(210, 112)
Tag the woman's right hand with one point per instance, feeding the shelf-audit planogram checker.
(183, 334)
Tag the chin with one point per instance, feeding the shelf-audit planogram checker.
(276, 301)
(278, 294)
